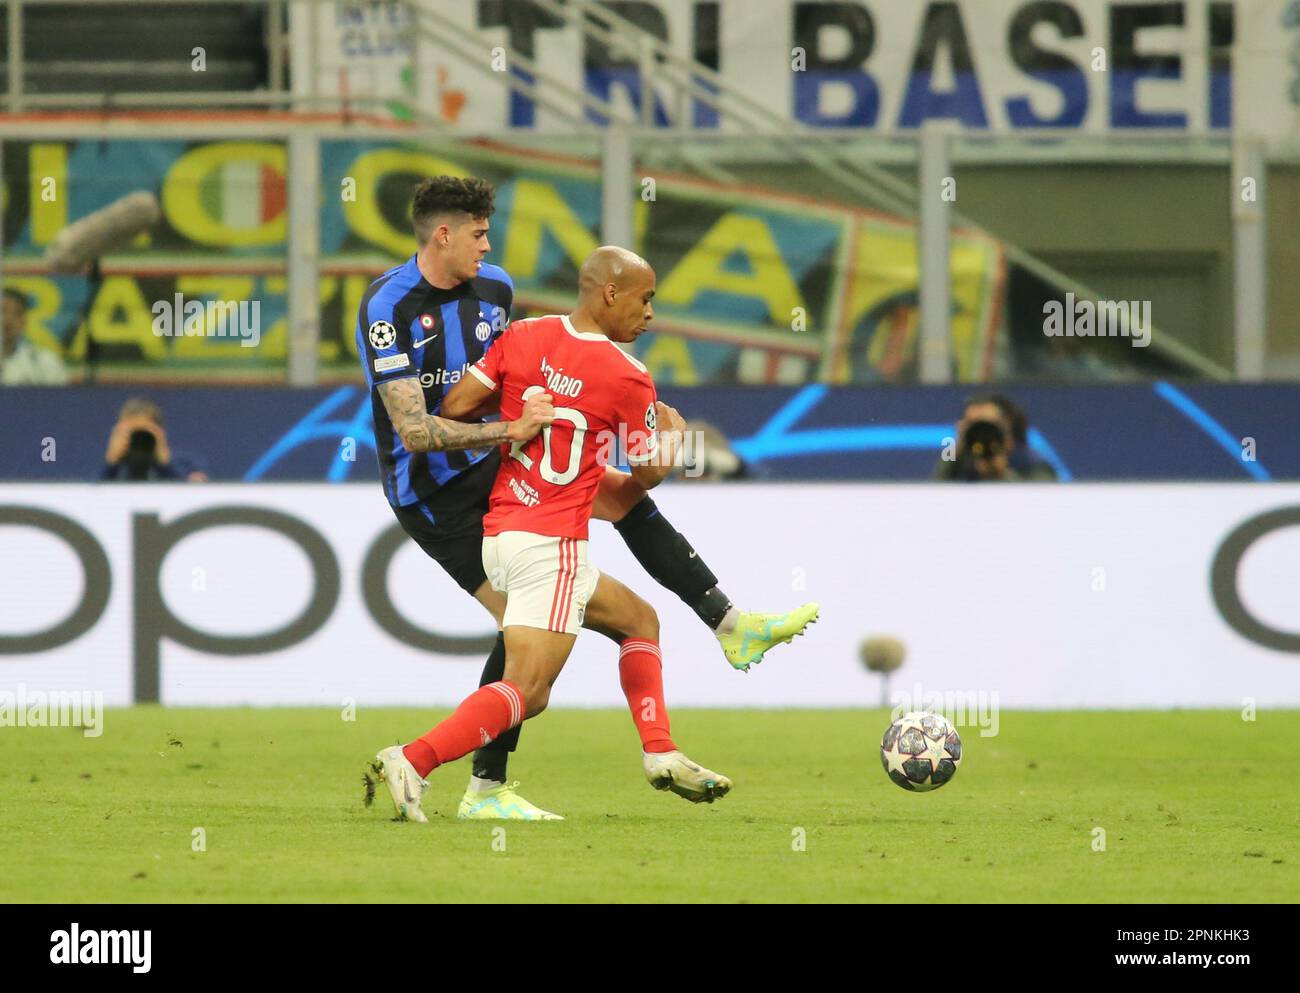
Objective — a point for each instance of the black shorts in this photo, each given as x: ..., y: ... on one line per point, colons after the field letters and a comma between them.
x: 449, y: 525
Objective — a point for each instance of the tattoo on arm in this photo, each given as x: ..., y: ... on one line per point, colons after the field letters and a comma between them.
x: 422, y: 432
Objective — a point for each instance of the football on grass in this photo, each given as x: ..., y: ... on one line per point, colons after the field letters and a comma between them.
x: 920, y: 751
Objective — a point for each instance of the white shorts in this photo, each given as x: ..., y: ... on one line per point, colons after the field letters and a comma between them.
x: 547, y: 581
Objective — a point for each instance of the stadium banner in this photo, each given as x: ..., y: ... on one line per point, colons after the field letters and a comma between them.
x: 1132, y: 431
x: 755, y: 286
x: 1105, y: 596
x: 991, y: 66
x: 1266, y: 96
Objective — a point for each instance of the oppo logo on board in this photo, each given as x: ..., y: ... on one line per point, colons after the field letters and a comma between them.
x: 153, y: 620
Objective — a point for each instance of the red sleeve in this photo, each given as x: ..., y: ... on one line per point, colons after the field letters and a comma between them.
x: 638, y: 413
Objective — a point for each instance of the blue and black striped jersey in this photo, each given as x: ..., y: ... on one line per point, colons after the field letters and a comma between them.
x: 408, y: 328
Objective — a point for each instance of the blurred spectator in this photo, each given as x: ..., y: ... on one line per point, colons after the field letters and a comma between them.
x: 21, y: 362
x: 993, y: 445
x: 707, y: 454
x: 138, y: 449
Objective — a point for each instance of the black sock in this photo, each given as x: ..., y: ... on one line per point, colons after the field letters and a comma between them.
x: 490, y: 760
x: 712, y: 607
x: 672, y: 562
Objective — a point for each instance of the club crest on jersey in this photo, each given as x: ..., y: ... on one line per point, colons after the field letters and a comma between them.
x: 482, y: 330
x: 558, y: 383
x: 382, y: 334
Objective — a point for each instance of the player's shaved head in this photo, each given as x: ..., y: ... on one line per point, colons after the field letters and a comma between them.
x: 611, y: 264
x: 615, y: 288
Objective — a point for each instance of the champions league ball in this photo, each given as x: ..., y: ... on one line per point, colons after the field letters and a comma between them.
x: 920, y: 751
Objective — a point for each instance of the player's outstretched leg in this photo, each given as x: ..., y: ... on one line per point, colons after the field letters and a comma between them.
x: 534, y: 658
x: 640, y: 671
x: 488, y: 796
x: 481, y: 716
x: 671, y: 561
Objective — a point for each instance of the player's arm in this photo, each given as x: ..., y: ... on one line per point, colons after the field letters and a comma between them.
x: 492, y: 405
x: 654, y: 464
x: 421, y: 431
x: 470, y: 398
x: 479, y: 391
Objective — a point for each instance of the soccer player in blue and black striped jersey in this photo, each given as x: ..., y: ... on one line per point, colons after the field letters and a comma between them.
x: 420, y: 326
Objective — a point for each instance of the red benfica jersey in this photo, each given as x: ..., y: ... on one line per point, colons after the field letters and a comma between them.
x: 604, y: 400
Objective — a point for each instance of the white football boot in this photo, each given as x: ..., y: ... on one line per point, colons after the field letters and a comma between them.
x: 674, y: 771
x: 405, y: 785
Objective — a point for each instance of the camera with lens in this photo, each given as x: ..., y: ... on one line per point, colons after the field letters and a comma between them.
x: 982, y: 442
x: 141, y: 455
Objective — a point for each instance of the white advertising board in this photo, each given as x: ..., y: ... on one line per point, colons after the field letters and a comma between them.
x: 1115, y: 596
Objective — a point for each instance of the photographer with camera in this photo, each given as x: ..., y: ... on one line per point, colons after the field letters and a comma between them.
x: 992, y: 445
x: 138, y: 449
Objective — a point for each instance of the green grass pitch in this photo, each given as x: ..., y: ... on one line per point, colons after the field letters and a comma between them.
x: 1196, y: 806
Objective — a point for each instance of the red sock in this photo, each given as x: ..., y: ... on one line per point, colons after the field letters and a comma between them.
x: 640, y: 670
x: 481, y: 717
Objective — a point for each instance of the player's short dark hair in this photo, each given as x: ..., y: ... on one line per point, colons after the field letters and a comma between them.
x: 17, y: 297
x: 1011, y: 410
x: 441, y: 195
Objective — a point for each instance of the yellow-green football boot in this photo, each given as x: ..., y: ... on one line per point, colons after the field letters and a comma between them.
x: 754, y: 634
x: 500, y: 803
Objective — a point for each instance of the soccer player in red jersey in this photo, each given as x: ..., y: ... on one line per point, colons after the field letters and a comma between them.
x: 420, y: 326
x: 535, y: 532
